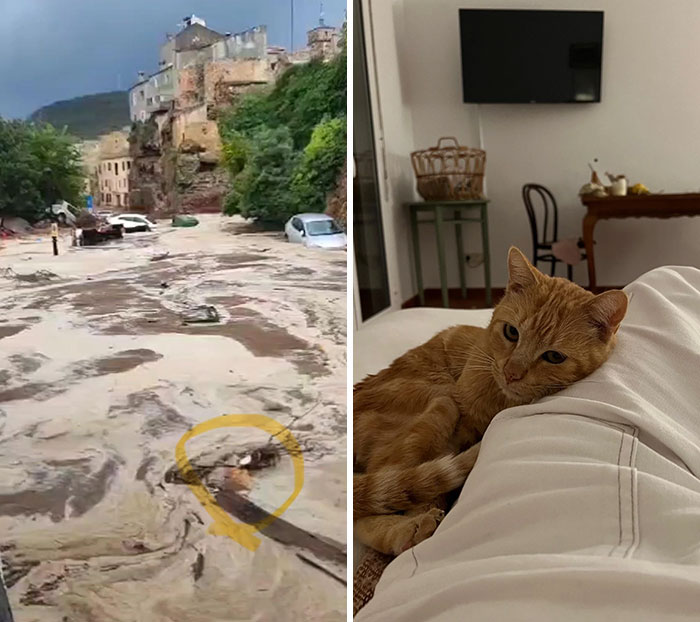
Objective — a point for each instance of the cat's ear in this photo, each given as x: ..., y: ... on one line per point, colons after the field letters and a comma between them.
x: 606, y: 311
x: 521, y: 273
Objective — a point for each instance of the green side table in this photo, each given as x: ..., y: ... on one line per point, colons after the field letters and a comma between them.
x: 451, y: 212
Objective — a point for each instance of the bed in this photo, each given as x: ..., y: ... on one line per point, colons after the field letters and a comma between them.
x: 583, y: 506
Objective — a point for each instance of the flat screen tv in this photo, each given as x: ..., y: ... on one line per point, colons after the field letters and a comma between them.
x: 531, y: 56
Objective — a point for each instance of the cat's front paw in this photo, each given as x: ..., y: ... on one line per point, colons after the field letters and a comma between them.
x: 423, y: 526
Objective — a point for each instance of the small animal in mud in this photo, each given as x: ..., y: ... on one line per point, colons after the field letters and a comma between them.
x: 418, y: 423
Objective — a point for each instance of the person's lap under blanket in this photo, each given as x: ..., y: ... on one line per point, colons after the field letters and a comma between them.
x: 583, y: 506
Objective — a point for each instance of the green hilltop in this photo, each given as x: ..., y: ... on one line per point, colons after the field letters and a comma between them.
x: 89, y: 116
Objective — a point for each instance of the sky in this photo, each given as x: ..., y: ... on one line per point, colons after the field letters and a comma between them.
x: 52, y: 50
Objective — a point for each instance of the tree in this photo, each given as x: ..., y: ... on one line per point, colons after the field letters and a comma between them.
x: 317, y: 173
x: 40, y: 166
x: 262, y: 190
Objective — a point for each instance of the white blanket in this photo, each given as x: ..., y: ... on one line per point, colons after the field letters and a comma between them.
x: 586, y: 505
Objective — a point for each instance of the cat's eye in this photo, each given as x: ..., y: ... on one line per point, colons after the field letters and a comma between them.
x: 510, y: 332
x: 554, y: 357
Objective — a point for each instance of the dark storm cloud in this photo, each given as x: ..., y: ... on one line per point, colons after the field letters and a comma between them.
x: 58, y: 49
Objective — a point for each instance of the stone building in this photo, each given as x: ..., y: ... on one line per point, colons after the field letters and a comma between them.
x: 113, y: 168
x: 199, y: 65
x: 175, y: 141
x: 323, y: 41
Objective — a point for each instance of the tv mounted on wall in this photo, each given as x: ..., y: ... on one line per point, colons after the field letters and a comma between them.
x: 531, y: 56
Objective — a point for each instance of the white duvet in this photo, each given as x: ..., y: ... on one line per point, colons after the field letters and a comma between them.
x: 582, y: 507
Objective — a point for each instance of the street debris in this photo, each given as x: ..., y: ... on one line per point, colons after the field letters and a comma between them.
x: 260, y: 458
x: 202, y: 314
x: 184, y: 221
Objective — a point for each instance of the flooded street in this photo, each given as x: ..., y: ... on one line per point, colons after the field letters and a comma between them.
x: 108, y: 355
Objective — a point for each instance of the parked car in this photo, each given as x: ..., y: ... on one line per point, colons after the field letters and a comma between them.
x: 315, y: 231
x: 133, y: 222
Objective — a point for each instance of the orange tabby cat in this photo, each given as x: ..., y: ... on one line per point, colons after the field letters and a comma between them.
x: 418, y: 423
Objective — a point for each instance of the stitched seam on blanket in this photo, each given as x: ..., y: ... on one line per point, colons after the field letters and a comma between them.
x: 633, y: 497
x: 619, y: 494
x: 625, y: 431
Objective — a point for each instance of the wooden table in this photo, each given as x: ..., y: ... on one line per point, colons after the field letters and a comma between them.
x: 437, y: 208
x: 632, y: 206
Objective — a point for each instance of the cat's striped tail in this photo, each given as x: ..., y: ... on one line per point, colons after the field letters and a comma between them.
x: 395, y: 488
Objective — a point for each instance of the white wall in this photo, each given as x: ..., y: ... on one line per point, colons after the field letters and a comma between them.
x: 647, y: 127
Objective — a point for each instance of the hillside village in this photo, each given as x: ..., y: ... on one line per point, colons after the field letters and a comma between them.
x: 167, y: 162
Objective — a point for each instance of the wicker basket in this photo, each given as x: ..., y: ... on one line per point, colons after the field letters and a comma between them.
x: 453, y: 173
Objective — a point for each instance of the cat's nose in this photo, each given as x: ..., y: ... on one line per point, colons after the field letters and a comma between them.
x: 513, y: 374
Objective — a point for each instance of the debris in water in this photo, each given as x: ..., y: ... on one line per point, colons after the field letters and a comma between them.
x: 240, y: 480
x: 260, y: 458
x: 201, y: 314
x: 198, y: 567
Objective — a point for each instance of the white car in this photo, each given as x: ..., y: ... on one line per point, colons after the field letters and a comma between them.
x: 315, y: 231
x: 133, y: 222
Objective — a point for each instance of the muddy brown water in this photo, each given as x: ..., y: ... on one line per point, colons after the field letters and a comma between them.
x: 8, y: 331
x: 117, y: 363
x: 73, y: 485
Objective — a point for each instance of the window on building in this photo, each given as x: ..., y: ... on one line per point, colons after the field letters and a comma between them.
x: 142, y: 93
x: 128, y: 165
x: 102, y: 197
x: 123, y: 165
x: 109, y: 199
x: 116, y: 167
x: 109, y: 166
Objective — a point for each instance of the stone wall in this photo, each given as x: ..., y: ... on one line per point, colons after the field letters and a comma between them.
x: 225, y: 79
x: 152, y: 176
x: 190, y: 87
x: 184, y: 118
x: 201, y: 137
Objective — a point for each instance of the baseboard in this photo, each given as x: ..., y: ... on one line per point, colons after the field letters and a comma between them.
x: 476, y: 297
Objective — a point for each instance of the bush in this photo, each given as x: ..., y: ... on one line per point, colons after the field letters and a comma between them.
x: 262, y: 190
x: 317, y: 173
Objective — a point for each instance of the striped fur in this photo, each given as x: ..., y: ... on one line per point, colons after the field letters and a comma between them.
x: 393, y: 489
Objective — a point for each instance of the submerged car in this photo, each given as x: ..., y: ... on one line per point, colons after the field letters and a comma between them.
x: 133, y: 222
x: 315, y: 231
